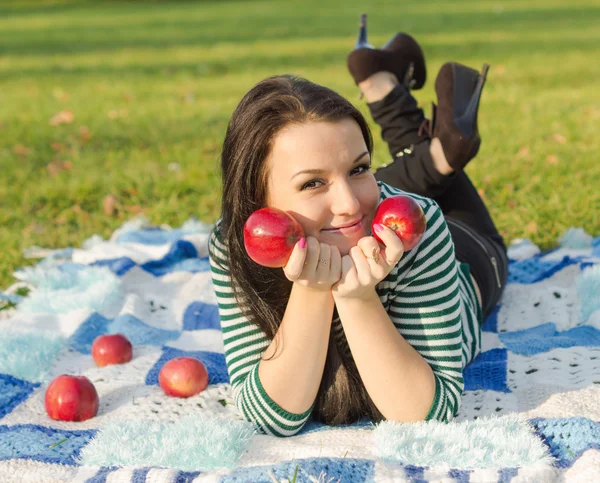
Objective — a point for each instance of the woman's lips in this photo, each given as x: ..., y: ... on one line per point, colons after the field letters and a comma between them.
x: 347, y: 230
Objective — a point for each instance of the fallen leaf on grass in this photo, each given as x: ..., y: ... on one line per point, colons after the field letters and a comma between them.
x: 110, y: 205
x: 132, y: 191
x: 21, y: 150
x: 531, y: 228
x: 34, y: 227
x: 500, y: 69
x: 57, y: 147
x: 84, y: 134
x: 523, y: 152
x: 558, y: 138
x: 117, y: 113
x: 188, y: 98
x: 133, y: 209
x: 481, y: 193
x: 62, y: 117
x: 511, y: 203
x: 81, y: 212
x: 552, y: 159
x: 56, y: 167
x: 591, y: 113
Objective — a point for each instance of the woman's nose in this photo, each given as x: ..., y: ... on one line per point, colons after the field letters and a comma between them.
x: 344, y: 200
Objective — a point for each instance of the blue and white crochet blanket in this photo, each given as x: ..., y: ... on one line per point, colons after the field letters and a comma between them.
x: 530, y: 411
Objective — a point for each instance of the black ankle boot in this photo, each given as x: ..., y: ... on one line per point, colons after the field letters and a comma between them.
x: 454, y: 120
x: 401, y: 55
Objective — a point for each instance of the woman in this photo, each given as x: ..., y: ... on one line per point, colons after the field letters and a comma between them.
x: 350, y: 328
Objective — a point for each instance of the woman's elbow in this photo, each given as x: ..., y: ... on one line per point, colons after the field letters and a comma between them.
x: 265, y: 428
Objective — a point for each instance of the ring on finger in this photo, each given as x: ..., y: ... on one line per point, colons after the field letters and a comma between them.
x: 375, y: 255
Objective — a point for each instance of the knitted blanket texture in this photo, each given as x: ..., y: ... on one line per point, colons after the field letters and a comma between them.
x: 530, y: 409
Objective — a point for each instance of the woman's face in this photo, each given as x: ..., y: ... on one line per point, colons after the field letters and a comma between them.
x: 336, y: 201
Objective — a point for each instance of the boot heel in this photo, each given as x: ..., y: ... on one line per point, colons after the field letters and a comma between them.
x: 454, y: 121
x: 467, y: 122
x: 401, y: 56
x: 361, y: 41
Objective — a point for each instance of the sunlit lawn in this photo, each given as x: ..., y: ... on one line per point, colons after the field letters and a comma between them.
x: 146, y: 90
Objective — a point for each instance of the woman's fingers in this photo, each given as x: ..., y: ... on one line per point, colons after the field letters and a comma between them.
x: 313, y: 250
x: 324, y: 260
x: 295, y: 265
x: 362, y: 264
x: 371, y: 250
x: 394, y: 249
x: 336, y: 263
x: 316, y: 264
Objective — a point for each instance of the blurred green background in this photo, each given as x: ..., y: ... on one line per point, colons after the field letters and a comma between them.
x: 111, y: 109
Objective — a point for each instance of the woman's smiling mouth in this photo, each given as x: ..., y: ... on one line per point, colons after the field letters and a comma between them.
x: 347, y: 229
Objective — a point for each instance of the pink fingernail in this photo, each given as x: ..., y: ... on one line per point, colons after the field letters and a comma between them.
x: 377, y: 227
x: 302, y: 242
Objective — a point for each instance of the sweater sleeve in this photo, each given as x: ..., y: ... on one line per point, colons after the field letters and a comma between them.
x: 426, y: 309
x: 244, y: 344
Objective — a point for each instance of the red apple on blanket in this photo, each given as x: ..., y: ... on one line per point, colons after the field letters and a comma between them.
x: 111, y: 349
x: 183, y: 377
x: 71, y: 398
x: 270, y: 235
x: 405, y: 216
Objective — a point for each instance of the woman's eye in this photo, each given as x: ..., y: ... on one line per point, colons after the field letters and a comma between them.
x: 358, y: 170
x: 309, y: 185
x: 362, y: 168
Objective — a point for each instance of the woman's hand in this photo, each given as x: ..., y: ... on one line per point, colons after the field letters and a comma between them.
x: 367, y: 264
x: 317, y: 265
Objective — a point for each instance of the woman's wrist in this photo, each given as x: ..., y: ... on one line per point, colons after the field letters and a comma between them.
x: 324, y: 292
x: 368, y: 296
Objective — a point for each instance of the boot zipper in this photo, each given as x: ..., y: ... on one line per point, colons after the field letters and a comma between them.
x: 493, y: 259
x: 496, y: 271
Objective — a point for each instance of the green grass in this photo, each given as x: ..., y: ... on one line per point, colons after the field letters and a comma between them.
x: 173, y: 72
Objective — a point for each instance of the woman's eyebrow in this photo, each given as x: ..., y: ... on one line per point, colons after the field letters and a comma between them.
x: 319, y: 171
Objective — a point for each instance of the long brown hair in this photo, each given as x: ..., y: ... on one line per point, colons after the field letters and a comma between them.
x: 262, y: 293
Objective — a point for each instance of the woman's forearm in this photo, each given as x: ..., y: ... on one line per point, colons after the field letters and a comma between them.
x: 292, y: 375
x: 400, y: 382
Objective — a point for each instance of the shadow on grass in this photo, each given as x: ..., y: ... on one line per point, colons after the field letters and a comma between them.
x: 192, y: 28
x: 37, y: 7
x: 488, y: 51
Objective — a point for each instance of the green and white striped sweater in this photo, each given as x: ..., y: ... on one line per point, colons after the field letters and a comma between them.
x: 429, y: 297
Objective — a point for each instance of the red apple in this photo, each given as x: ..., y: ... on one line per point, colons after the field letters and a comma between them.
x: 71, y: 398
x: 270, y: 235
x: 405, y: 216
x: 183, y: 377
x: 111, y: 349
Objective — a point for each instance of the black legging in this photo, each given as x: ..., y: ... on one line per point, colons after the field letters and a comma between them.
x: 476, y: 239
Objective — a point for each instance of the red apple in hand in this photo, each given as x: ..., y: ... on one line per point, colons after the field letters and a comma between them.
x: 270, y: 235
x: 71, y: 398
x: 111, y: 349
x: 405, y: 216
x: 183, y: 377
